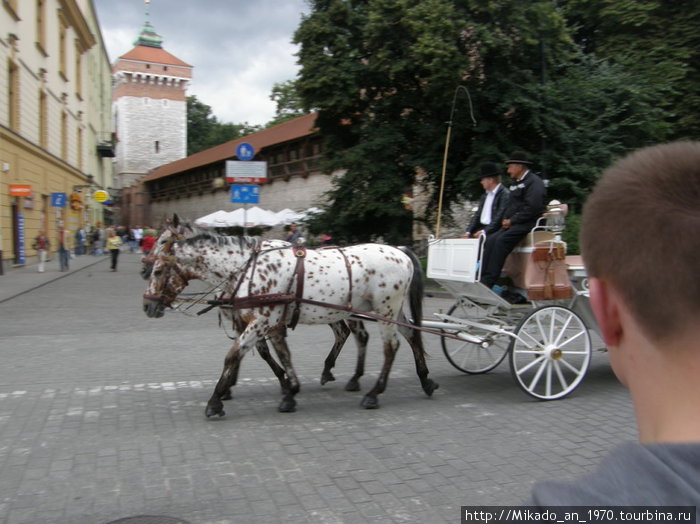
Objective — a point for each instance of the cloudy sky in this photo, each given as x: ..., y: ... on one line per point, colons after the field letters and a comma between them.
x: 239, y: 48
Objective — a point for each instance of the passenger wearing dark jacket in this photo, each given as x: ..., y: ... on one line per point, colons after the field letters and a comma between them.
x: 527, y: 203
x: 492, y: 205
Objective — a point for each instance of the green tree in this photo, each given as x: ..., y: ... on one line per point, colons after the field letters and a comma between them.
x: 382, y: 74
x: 289, y: 105
x: 656, y: 39
x: 204, y: 130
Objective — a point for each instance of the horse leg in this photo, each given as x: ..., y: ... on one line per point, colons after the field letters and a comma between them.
x: 279, y: 372
x: 341, y: 332
x: 414, y: 338
x: 391, y: 345
x: 361, y: 338
x: 250, y: 336
x: 288, y: 404
x: 222, y: 390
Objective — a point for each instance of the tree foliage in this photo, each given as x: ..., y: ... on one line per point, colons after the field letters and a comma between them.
x: 383, y: 75
x: 289, y: 105
x: 204, y: 130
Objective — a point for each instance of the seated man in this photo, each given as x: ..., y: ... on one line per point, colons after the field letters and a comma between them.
x: 492, y: 205
x: 527, y: 202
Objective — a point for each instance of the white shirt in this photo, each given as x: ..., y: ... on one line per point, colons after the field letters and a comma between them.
x: 488, y: 206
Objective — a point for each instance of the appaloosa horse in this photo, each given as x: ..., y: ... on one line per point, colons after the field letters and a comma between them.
x: 341, y: 329
x: 275, y: 287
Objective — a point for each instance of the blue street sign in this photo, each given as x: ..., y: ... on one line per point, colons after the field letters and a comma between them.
x: 58, y: 200
x: 245, y: 151
x: 245, y: 194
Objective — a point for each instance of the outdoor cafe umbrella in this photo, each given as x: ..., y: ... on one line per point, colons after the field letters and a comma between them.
x: 216, y: 219
x: 254, y: 216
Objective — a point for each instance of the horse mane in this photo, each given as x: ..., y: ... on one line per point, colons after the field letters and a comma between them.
x: 243, y: 242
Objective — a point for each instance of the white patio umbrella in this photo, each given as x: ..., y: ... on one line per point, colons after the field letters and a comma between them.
x: 254, y: 216
x: 216, y: 219
x: 288, y: 216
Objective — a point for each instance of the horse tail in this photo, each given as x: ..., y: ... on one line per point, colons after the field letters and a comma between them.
x: 415, y: 292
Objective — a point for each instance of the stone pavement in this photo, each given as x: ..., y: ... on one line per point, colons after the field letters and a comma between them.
x: 102, y: 418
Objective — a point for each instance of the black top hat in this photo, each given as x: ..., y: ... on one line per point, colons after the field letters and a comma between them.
x: 519, y: 157
x: 489, y: 169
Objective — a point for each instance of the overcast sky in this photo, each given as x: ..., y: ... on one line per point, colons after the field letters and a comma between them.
x: 239, y: 48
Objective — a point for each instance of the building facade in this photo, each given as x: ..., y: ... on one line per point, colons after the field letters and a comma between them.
x: 55, y: 122
x: 196, y: 185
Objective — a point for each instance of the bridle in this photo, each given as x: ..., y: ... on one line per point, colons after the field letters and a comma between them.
x: 168, y: 264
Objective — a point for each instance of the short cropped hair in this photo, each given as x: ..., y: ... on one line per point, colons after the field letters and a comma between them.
x: 641, y: 232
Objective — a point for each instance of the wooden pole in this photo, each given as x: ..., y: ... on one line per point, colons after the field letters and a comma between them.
x: 447, y: 147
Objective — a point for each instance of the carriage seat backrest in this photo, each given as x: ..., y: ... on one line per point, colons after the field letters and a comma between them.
x: 538, y: 263
x: 541, y: 270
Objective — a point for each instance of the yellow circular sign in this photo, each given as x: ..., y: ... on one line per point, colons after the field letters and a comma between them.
x: 100, y: 195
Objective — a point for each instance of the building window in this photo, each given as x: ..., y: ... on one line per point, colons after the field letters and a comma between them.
x: 64, y: 135
x: 62, y: 51
x: 157, y: 146
x: 13, y: 95
x: 43, y: 119
x: 79, y: 138
x: 41, y: 26
x: 78, y: 70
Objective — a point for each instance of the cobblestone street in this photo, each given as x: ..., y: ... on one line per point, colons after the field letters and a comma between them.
x: 102, y: 418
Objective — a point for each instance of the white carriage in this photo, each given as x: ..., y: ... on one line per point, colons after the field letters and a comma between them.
x: 547, y: 339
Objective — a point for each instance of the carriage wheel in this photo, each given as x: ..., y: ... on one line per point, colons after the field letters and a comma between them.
x: 473, y: 358
x: 551, y: 353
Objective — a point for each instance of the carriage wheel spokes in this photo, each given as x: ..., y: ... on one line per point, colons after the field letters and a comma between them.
x: 551, y: 352
x: 469, y: 357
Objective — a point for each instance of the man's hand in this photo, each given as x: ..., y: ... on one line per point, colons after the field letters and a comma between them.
x: 506, y: 223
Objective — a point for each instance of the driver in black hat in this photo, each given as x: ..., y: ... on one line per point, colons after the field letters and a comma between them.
x: 527, y: 203
x: 493, y: 203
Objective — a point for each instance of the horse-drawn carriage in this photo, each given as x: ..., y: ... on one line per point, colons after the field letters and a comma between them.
x: 266, y: 286
x: 546, y: 338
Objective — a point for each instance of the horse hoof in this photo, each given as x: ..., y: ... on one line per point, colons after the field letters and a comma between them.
x: 429, y: 387
x: 327, y: 377
x: 287, y: 406
x: 370, y: 402
x: 215, y: 411
x: 352, y: 385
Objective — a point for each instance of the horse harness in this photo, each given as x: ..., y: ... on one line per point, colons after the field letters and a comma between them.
x: 287, y: 298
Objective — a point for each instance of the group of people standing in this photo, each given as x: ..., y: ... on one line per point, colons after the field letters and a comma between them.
x: 96, y: 241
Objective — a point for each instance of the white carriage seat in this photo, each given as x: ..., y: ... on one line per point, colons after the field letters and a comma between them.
x: 538, y: 264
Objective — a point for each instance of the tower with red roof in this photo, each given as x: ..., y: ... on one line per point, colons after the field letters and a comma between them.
x: 149, y: 107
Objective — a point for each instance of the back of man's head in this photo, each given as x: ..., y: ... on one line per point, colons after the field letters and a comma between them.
x: 641, y: 233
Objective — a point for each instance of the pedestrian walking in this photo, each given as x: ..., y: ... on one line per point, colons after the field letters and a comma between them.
x: 41, y: 244
x: 63, y: 248
x: 113, y: 244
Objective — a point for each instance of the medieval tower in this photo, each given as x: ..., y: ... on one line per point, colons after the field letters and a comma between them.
x: 149, y: 107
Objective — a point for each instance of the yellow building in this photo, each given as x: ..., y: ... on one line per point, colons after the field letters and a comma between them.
x: 55, y: 122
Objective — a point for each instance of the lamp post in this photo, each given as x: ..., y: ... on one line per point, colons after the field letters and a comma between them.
x: 447, y: 147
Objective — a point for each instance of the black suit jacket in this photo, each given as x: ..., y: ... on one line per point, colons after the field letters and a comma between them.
x: 527, y: 200
x: 500, y: 204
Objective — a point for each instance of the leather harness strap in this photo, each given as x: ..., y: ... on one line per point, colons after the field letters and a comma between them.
x: 300, y: 254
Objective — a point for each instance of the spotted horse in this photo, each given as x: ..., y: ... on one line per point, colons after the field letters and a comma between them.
x: 370, y: 279
x: 341, y: 329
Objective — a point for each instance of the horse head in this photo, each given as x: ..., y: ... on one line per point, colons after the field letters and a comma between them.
x: 161, y: 268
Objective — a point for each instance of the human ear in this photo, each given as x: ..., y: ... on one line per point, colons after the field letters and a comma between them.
x: 606, y: 308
